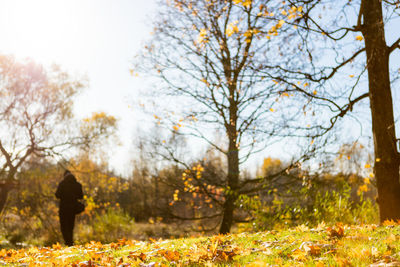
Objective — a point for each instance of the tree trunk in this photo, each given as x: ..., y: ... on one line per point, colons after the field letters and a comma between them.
x: 156, y: 197
x: 386, y: 156
x: 148, y: 212
x: 233, y: 165
x: 227, y: 219
x: 5, y: 188
x: 231, y: 195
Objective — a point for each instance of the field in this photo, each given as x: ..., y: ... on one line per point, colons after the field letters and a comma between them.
x: 340, y: 245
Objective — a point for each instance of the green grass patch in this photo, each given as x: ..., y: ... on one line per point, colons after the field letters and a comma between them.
x: 341, y: 245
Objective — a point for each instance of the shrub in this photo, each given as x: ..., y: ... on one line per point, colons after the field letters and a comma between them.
x: 107, y: 226
x: 309, y: 207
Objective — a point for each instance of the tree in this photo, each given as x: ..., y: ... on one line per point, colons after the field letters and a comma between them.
x: 36, y: 117
x: 207, y: 56
x: 340, y: 39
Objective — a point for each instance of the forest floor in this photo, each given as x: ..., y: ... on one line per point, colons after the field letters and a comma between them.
x: 340, y: 245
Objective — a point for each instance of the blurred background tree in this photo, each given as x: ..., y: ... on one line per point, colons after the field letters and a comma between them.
x: 36, y: 118
x: 208, y: 57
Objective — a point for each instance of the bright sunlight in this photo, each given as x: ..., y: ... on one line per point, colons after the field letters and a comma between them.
x: 45, y: 29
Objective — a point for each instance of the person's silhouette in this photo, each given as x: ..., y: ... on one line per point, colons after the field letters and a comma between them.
x: 69, y: 191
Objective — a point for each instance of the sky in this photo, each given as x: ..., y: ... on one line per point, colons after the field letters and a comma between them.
x: 93, y: 38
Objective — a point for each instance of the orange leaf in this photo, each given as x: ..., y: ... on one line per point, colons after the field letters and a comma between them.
x: 390, y: 223
x: 337, y: 231
x: 299, y: 255
x: 140, y: 256
x: 313, y: 250
x: 170, y: 255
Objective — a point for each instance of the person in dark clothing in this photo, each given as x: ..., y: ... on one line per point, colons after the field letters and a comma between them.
x: 69, y: 191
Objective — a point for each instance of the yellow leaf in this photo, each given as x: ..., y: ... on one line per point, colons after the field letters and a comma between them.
x: 351, y: 75
x: 298, y: 255
x: 302, y: 228
x: 362, y: 188
x: 231, y: 29
x: 391, y: 238
x: 367, y: 166
x: 57, y: 246
x: 321, y: 226
x: 248, y: 33
x: 205, y: 81
x: 359, y: 38
x: 314, y: 92
x: 271, y: 109
x: 258, y: 263
x: 202, y: 35
x: 247, y: 3
x: 285, y: 94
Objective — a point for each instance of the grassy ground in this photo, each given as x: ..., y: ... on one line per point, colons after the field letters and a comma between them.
x: 366, y: 245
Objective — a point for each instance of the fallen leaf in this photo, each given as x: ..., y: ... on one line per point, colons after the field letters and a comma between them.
x: 170, y: 255
x: 336, y: 232
x: 298, y: 255
x: 257, y: 263
x: 141, y: 256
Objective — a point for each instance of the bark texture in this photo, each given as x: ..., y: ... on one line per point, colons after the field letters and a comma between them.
x: 386, y: 155
x: 231, y: 195
x: 233, y: 161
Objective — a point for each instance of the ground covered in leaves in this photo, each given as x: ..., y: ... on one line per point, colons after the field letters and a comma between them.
x: 341, y: 245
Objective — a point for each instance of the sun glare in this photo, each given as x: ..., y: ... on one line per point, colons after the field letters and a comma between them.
x: 46, y: 30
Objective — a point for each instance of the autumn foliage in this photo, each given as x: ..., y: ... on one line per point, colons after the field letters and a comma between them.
x: 340, y: 245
